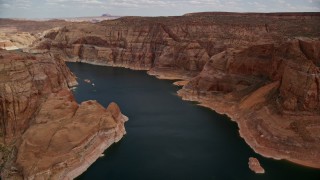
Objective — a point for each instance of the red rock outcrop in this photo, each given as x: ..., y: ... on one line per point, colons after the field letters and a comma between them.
x: 67, y: 138
x: 255, y: 166
x: 171, y: 46
x: 272, y: 91
x: 45, y: 134
x: 25, y: 80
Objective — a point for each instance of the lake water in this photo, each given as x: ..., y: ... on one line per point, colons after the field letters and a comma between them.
x: 167, y: 138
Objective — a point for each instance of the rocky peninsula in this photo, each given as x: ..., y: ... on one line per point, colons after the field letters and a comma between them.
x: 45, y: 134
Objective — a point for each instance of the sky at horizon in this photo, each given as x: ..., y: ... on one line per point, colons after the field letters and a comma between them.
x: 83, y: 8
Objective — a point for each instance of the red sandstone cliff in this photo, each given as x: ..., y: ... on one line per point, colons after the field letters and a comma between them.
x: 272, y: 91
x: 180, y: 44
x: 25, y: 81
x: 44, y: 132
x: 255, y: 67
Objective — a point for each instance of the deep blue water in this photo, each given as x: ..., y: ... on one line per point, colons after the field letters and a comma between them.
x: 167, y: 138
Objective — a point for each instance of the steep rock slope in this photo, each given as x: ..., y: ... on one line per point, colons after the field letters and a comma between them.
x: 67, y: 138
x: 44, y: 132
x: 25, y: 81
x: 171, y: 44
x: 272, y: 91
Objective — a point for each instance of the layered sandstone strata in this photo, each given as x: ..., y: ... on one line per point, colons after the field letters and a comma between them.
x: 272, y: 92
x: 12, y: 41
x: 260, y: 69
x: 67, y: 138
x: 170, y: 46
x: 25, y: 81
x: 45, y: 134
x: 20, y: 34
x: 7, y: 45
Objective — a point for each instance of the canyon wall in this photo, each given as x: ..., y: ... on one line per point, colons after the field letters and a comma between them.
x: 260, y: 69
x: 176, y: 43
x: 44, y: 133
x: 272, y: 91
x: 25, y: 81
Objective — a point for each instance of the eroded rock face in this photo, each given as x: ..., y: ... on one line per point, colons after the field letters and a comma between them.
x: 172, y: 44
x: 49, y: 135
x: 24, y: 83
x: 272, y: 91
x: 7, y: 45
x: 67, y: 138
x: 243, y: 71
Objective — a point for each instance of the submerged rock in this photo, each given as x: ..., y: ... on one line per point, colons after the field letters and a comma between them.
x: 87, y: 81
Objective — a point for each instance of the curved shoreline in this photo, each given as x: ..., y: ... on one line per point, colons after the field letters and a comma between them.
x: 243, y: 131
x: 93, y: 155
x: 245, y: 134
